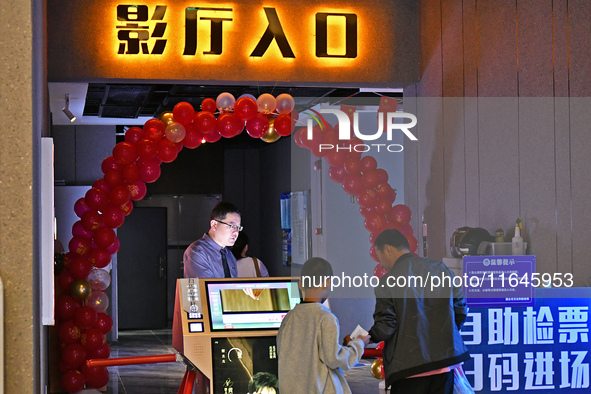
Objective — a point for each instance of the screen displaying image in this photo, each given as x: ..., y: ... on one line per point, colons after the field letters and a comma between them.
x: 250, y: 305
x: 237, y: 360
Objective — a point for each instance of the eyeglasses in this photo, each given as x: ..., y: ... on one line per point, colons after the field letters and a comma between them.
x: 232, y: 226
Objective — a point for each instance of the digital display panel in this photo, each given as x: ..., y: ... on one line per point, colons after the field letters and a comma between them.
x: 250, y: 305
x: 236, y: 360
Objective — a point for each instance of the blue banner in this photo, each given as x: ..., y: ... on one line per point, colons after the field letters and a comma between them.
x: 543, y: 347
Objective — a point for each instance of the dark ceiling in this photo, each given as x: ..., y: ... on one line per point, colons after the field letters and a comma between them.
x: 129, y: 101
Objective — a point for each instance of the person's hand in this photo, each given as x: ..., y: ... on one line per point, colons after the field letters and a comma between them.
x: 346, y: 340
x: 365, y: 339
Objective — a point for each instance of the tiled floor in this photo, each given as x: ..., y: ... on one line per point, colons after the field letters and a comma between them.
x: 166, y: 377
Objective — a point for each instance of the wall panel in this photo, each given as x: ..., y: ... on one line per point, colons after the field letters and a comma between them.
x: 497, y: 48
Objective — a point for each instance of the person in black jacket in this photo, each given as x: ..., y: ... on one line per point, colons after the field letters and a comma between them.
x: 418, y: 322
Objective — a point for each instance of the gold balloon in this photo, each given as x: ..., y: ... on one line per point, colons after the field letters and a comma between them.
x: 271, y: 135
x: 166, y: 118
x: 80, y: 289
x: 376, y: 368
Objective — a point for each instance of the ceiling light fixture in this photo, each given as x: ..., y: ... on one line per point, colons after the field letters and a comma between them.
x: 67, y: 111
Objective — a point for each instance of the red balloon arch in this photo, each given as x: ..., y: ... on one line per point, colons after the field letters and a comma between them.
x: 81, y: 304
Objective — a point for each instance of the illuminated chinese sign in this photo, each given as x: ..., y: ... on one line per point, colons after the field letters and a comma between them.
x: 542, y: 347
x: 133, y: 34
x: 347, y: 41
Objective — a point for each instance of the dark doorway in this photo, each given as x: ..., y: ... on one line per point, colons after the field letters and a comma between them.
x: 141, y: 270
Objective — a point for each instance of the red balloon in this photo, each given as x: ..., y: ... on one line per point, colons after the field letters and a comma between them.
x: 373, y: 254
x: 379, y: 271
x: 372, y: 238
x: 115, y: 247
x: 332, y: 138
x: 154, y: 130
x: 384, y: 190
x: 91, y: 220
x: 167, y: 151
x: 382, y: 175
x: 284, y: 125
x: 352, y: 184
x: 356, y: 145
x: 130, y: 172
x: 406, y: 230
x: 113, y: 217
x: 183, y: 113
x: 63, y: 367
x: 104, y: 351
x: 375, y: 223
x: 336, y: 158
x: 96, y: 377
x: 65, y: 280
x: 74, y: 354
x: 102, y: 184
x: 212, y: 136
x: 65, y: 307
x: 368, y: 163
x: 110, y: 164
x: 92, y: 338
x: 229, y: 125
x: 149, y: 170
x: 119, y: 195
x: 400, y: 214
x: 383, y: 207
x: 380, y: 345
x: 299, y: 136
x: 68, y: 332
x: 367, y: 211
x: 96, y: 198
x: 337, y: 174
x: 124, y: 153
x: 137, y: 190
x: 99, y: 257
x: 352, y: 166
x: 257, y: 126
x: 127, y: 207
x: 80, y: 267
x: 104, y: 323
x: 370, y: 179
x: 314, y: 143
x: 246, y: 108
x: 104, y: 237
x: 113, y: 177
x: 204, y: 122
x: 73, y: 381
x: 147, y: 149
x: 81, y: 207
x: 413, y: 243
x: 179, y: 146
x: 78, y: 229
x: 134, y: 134
x: 193, y: 138
x: 208, y: 105
x: 367, y: 198
x: 85, y: 317
x: 79, y: 245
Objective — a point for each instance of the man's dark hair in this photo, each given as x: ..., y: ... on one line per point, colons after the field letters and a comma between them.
x: 391, y: 237
x: 263, y: 380
x: 314, y: 271
x: 241, y: 242
x: 221, y: 209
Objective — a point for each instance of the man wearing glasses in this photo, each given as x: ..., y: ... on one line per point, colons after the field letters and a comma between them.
x: 209, y: 257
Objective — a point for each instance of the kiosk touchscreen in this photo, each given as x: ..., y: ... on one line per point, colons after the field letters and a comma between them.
x: 227, y: 327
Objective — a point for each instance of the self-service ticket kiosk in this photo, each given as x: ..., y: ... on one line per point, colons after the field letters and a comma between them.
x: 227, y: 328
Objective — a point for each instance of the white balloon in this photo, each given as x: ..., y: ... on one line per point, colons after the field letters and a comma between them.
x: 285, y: 103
